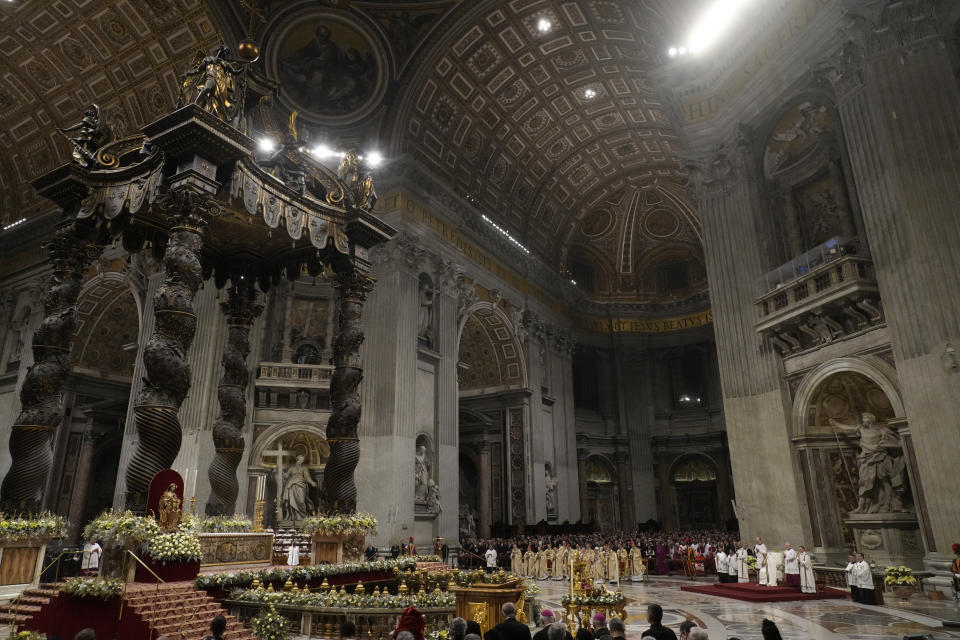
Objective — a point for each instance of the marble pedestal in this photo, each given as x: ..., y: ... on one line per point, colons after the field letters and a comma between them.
x: 888, y: 538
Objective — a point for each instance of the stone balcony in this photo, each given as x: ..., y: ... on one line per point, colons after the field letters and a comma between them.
x: 832, y: 293
x: 282, y: 385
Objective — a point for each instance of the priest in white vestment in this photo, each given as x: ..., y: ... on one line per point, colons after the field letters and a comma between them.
x: 743, y: 570
x: 731, y: 565
x: 721, y: 561
x: 760, y: 551
x: 807, y: 582
x: 864, y: 576
x: 852, y: 578
x: 791, y: 568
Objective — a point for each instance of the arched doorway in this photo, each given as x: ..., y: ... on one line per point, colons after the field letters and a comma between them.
x: 273, y: 462
x: 87, y: 450
x: 493, y: 428
x: 602, y: 494
x: 694, y: 481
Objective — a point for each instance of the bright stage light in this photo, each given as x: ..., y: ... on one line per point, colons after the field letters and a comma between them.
x: 590, y: 93
x: 714, y: 23
x: 543, y: 25
x: 266, y: 145
x: 672, y: 52
x: 374, y: 159
x: 322, y: 151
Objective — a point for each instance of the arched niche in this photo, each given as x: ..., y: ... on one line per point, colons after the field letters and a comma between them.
x: 840, y: 390
x: 282, y: 444
x: 810, y: 415
x: 808, y: 188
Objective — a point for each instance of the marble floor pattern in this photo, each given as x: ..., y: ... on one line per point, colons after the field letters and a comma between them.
x: 725, y: 618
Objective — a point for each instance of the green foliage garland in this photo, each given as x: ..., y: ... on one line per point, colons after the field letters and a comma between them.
x: 105, y: 589
x: 270, y: 625
x: 28, y: 527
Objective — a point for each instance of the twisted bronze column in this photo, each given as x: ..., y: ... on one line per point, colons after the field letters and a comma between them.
x: 339, y: 489
x: 70, y: 252
x: 167, y: 378
x: 241, y: 309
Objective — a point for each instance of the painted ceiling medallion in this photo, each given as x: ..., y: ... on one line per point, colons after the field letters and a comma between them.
x: 329, y: 65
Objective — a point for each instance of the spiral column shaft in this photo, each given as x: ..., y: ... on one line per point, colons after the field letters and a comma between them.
x: 340, y: 490
x: 70, y: 253
x: 167, y: 378
x: 240, y: 309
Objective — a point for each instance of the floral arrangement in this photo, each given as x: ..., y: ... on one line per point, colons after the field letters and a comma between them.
x: 438, y: 634
x: 343, y: 600
x: 103, y: 588
x: 28, y: 635
x: 174, y: 547
x: 216, y: 524
x: 899, y: 577
x: 341, y: 524
x: 751, y: 562
x: 122, y: 529
x: 307, y: 573
x: 270, y: 625
x: 596, y: 598
x: 27, y: 527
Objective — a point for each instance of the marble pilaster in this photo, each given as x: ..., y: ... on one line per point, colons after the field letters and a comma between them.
x: 898, y: 100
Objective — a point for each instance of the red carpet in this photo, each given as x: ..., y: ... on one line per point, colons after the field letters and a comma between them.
x: 752, y: 592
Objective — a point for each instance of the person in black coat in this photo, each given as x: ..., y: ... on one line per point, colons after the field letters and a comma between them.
x: 509, y: 629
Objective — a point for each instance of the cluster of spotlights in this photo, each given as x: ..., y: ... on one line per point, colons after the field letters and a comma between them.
x: 13, y: 224
x: 716, y: 20
x: 321, y: 152
x: 590, y: 93
x: 673, y: 52
x: 544, y: 25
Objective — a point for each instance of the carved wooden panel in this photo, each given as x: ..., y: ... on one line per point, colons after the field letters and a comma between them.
x: 18, y: 564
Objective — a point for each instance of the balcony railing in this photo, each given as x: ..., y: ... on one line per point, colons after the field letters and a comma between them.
x: 834, y: 297
x: 281, y: 385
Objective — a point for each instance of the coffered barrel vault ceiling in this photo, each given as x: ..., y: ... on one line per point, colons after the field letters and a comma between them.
x: 58, y: 56
x: 501, y: 109
x: 474, y: 91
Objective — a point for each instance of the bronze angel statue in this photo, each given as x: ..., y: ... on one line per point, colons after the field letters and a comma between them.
x: 216, y: 83
x: 87, y: 137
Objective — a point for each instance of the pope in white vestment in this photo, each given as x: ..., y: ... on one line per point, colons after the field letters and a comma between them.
x: 760, y: 550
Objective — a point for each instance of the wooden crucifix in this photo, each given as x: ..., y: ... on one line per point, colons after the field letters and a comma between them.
x: 279, y: 452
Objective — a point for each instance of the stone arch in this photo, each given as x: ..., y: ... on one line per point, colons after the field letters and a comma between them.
x: 109, y: 314
x: 875, y: 369
x: 269, y: 436
x: 487, y: 343
x: 680, y: 463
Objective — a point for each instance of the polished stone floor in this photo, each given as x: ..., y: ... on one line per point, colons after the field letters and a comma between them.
x: 725, y: 618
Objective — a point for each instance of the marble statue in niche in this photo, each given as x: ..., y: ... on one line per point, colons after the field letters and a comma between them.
x: 550, y: 481
x: 882, y: 477
x: 297, y: 504
x: 421, y: 475
x: 468, y: 524
x: 433, y: 497
x: 427, y: 295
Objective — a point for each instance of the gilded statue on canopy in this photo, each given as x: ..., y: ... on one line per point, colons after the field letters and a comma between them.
x: 216, y: 83
x: 360, y: 184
